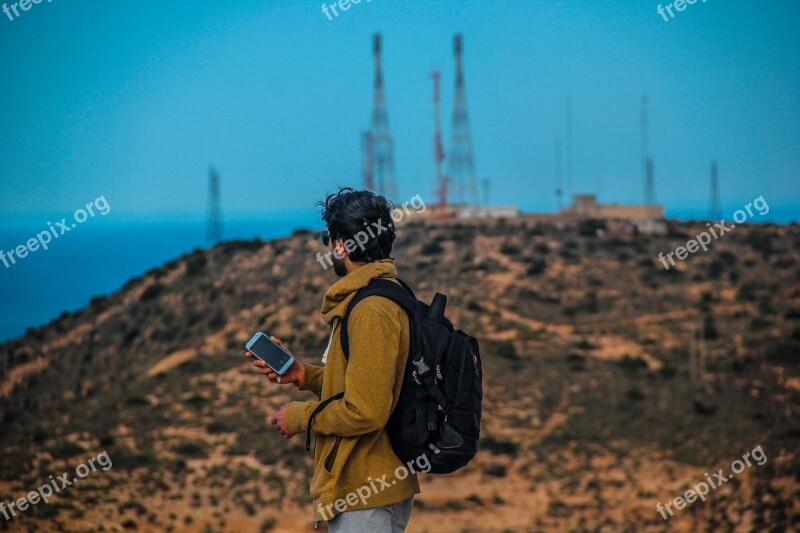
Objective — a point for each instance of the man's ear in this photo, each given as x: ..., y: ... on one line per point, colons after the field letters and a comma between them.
x: 339, y: 250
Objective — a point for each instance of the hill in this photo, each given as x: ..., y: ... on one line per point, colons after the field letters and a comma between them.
x: 592, y: 415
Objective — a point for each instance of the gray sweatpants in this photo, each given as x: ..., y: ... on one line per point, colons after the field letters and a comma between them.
x: 387, y: 519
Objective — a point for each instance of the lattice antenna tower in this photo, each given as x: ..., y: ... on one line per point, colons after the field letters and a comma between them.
x: 382, y: 145
x: 461, y: 165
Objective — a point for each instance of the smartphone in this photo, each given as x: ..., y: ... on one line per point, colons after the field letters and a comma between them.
x: 276, y: 357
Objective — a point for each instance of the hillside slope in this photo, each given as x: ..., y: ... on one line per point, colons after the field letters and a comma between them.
x: 591, y: 417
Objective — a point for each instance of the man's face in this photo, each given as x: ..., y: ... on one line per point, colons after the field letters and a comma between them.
x: 338, y: 266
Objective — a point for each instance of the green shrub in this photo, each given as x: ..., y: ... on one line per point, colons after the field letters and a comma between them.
x: 495, y: 470
x: 431, y: 248
x: 499, y: 446
x: 66, y: 450
x: 509, y: 249
x: 192, y: 449
x: 152, y: 292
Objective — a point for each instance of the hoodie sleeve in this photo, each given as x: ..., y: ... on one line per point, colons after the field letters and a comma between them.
x: 312, y: 378
x: 374, y: 332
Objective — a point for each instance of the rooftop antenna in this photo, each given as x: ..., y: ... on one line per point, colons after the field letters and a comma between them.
x: 715, y: 204
x: 559, y: 177
x: 569, y: 146
x: 648, y: 175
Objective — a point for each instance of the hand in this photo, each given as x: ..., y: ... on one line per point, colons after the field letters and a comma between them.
x: 293, y: 375
x: 279, y: 421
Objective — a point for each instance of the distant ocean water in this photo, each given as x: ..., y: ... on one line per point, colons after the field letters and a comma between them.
x: 101, y: 255
x: 98, y: 258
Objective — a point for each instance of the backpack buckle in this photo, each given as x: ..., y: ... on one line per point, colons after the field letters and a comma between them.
x: 422, y: 368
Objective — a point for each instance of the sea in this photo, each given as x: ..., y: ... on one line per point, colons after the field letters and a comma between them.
x: 99, y: 256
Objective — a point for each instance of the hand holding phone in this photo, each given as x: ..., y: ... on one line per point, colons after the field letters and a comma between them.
x: 293, y: 371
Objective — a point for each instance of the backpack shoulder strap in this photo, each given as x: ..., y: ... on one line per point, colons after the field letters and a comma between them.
x: 401, y: 294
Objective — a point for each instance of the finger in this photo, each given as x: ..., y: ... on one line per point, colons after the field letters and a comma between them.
x: 277, y: 341
x: 272, y: 374
x: 249, y: 355
x: 259, y: 363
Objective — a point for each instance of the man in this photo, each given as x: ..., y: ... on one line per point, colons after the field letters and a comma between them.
x: 355, y: 486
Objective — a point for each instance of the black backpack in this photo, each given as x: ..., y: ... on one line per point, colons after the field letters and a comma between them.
x: 439, y: 411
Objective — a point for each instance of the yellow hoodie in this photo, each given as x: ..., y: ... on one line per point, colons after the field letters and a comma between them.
x: 353, y: 449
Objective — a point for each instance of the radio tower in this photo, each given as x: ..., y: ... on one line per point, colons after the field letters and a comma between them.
x: 382, y: 146
x: 714, y: 203
x: 438, y: 150
x: 461, y: 167
x: 213, y: 217
x: 647, y: 162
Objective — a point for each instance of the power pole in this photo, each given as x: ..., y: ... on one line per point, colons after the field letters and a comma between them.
x: 697, y: 358
x: 461, y: 166
x: 213, y: 217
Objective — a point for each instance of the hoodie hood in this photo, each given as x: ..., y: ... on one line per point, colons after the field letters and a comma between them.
x: 338, y: 297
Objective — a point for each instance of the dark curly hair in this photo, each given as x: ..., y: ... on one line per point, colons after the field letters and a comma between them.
x: 348, y: 212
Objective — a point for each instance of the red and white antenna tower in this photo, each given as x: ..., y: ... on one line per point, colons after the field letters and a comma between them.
x: 438, y: 148
x: 367, y: 160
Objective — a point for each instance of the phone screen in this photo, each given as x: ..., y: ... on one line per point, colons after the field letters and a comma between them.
x: 270, y: 353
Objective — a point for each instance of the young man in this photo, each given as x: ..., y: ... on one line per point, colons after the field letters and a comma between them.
x: 359, y: 484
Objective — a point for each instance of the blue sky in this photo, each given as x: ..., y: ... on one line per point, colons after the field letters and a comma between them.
x: 133, y: 101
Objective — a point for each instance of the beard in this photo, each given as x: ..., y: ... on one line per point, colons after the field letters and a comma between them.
x: 338, y: 266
